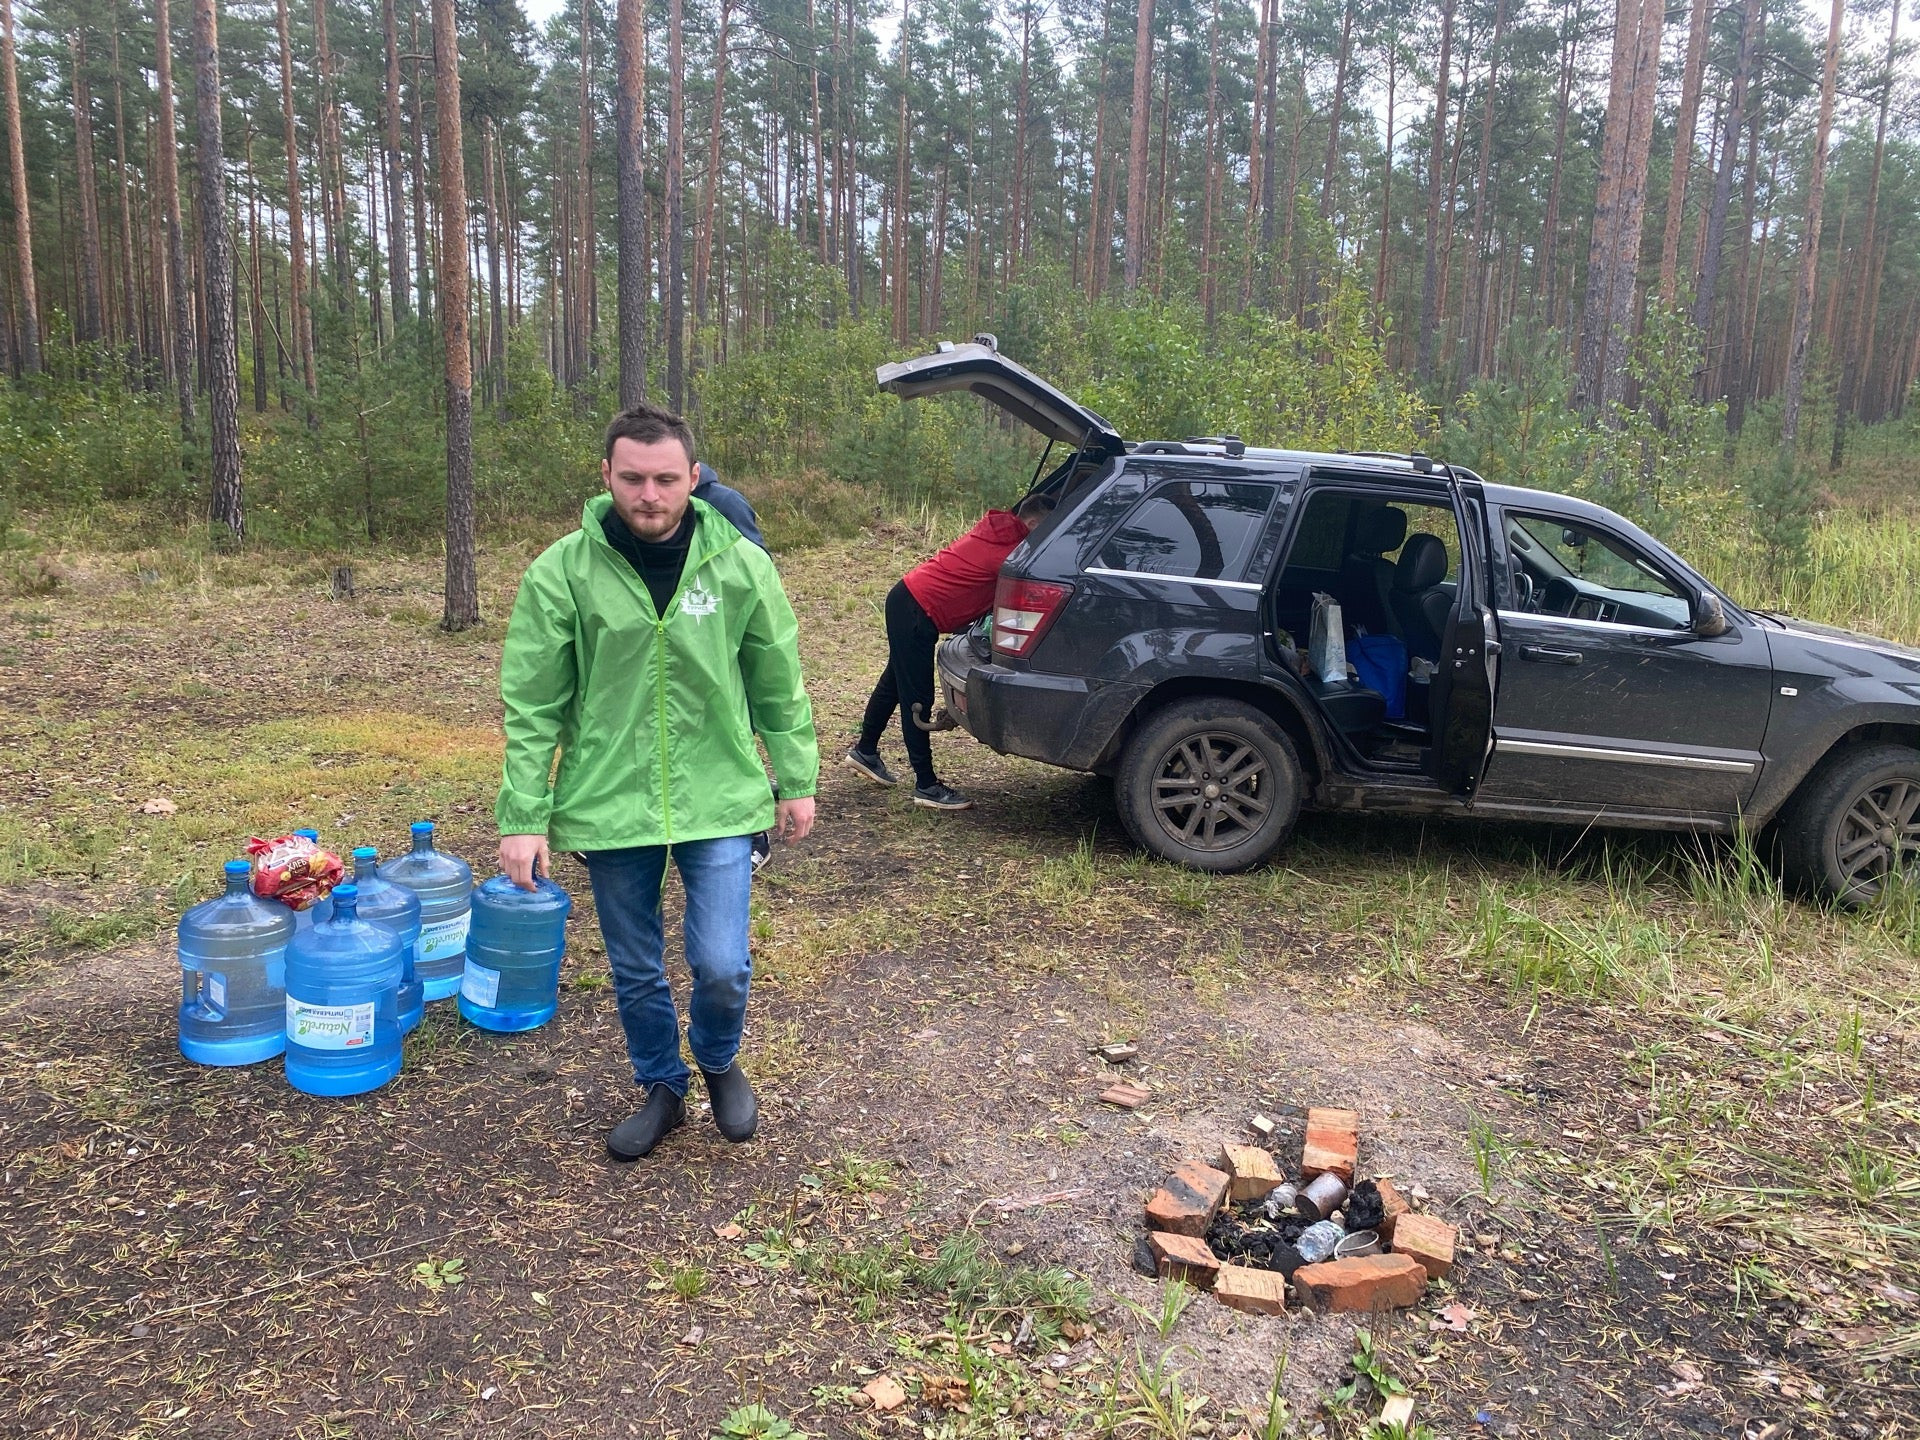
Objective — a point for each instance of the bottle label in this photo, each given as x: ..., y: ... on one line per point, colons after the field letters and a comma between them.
x: 217, y: 990
x: 329, y: 1027
x: 480, y: 985
x: 443, y: 938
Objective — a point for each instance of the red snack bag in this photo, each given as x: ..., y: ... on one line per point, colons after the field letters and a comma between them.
x: 293, y: 870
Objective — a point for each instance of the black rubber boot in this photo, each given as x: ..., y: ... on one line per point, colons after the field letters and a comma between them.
x: 636, y: 1135
x: 735, y: 1111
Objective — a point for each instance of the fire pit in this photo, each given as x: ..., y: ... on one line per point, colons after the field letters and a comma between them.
x: 1240, y: 1228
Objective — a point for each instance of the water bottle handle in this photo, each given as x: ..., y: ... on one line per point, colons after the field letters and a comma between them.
x: 198, y: 992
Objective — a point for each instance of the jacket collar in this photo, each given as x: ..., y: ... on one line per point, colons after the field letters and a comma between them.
x: 710, y: 537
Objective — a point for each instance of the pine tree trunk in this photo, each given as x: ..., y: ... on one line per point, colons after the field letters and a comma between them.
x: 216, y: 261
x: 1613, y: 257
x: 398, y: 280
x: 1866, y: 296
x: 22, y: 210
x: 1683, y: 128
x: 900, y: 188
x: 1136, y: 256
x: 1716, y: 226
x: 1430, y: 279
x: 819, y: 147
x: 676, y: 291
x: 1550, y: 228
x: 630, y: 119
x: 296, y: 235
x: 256, y: 307
x: 1209, y: 168
x: 462, y: 582
x: 128, y: 270
x: 1100, y: 206
x: 1810, y: 245
x: 1477, y: 290
x: 417, y: 158
x: 1622, y: 289
x: 91, y: 321
x: 496, y: 311
x: 1017, y: 208
x: 1386, y: 177
x: 581, y: 330
x: 1337, y: 109
x: 703, y: 243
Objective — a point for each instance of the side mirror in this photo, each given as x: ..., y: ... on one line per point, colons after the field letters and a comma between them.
x: 1709, y: 616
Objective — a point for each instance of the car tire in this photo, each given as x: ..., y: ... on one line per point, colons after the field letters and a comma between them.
x: 1238, y: 808
x: 1835, y: 832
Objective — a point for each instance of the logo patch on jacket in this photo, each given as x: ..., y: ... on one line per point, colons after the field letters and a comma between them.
x: 699, y: 601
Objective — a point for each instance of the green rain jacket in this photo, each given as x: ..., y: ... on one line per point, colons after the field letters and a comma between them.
x: 654, y: 716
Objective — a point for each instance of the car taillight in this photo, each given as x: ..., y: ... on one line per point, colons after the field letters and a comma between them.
x: 1023, y: 610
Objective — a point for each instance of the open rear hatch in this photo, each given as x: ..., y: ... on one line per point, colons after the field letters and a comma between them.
x: 980, y: 368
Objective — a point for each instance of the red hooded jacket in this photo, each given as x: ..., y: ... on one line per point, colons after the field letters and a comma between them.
x: 955, y: 587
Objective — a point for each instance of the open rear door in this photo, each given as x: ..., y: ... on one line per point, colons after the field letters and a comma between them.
x: 1469, y: 673
x: 984, y: 371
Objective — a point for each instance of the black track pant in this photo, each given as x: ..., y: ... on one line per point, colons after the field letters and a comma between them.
x: 907, y: 681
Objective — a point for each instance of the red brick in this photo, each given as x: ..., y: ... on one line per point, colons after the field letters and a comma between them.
x: 1393, y: 1205
x: 1126, y: 1095
x: 1427, y: 1240
x: 1367, y: 1283
x: 1260, y: 1292
x: 1183, y: 1257
x: 1185, y: 1204
x: 1253, y: 1175
x: 1333, y: 1144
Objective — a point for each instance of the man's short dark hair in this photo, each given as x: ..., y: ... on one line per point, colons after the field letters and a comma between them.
x: 649, y: 424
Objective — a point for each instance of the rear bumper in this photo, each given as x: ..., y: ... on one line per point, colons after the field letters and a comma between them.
x: 1056, y: 719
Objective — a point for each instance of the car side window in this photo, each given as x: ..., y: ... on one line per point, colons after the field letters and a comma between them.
x: 1563, y: 567
x: 1203, y: 530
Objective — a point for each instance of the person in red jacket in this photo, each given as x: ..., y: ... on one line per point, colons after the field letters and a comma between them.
x: 941, y: 595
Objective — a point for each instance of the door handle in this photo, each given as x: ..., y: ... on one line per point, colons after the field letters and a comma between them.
x: 1549, y: 657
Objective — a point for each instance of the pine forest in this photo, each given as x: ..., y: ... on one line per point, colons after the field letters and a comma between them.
x: 380, y: 268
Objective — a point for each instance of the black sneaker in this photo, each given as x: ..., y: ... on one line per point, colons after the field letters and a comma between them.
x: 735, y: 1110
x: 636, y: 1135
x: 869, y: 764
x: 941, y: 797
x: 762, y: 849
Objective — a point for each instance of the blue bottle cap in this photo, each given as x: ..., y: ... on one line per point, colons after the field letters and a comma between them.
x: 348, y: 892
x: 423, y: 827
x: 308, y: 834
x: 365, y: 852
x: 239, y: 867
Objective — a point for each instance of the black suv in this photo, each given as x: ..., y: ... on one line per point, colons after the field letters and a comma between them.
x: 1513, y: 653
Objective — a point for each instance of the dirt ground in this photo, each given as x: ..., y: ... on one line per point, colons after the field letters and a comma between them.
x: 936, y: 1191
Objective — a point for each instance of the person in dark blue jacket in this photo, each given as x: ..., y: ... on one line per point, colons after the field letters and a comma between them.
x: 730, y: 503
x: 739, y: 512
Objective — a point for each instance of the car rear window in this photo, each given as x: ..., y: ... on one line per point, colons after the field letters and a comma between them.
x: 1201, y: 529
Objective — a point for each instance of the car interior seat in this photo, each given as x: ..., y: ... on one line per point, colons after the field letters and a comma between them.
x: 1366, y: 576
x: 1421, y: 598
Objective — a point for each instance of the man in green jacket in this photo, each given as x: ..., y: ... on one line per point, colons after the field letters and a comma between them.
x: 649, y: 647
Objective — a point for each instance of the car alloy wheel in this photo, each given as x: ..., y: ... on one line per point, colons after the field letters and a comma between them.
x: 1879, y: 835
x: 1212, y: 791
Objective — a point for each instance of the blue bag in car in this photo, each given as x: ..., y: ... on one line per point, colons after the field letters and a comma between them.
x: 1381, y: 663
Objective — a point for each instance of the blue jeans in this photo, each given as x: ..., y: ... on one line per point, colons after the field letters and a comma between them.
x: 717, y: 874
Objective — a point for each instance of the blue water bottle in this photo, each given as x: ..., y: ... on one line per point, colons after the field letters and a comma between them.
x: 444, y: 884
x: 512, y: 976
x: 384, y: 903
x: 233, y: 952
x: 343, y: 1002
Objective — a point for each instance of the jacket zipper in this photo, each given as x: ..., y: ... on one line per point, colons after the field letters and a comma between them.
x: 660, y: 671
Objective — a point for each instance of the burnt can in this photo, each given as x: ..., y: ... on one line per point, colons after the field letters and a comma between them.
x: 1321, y: 1197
